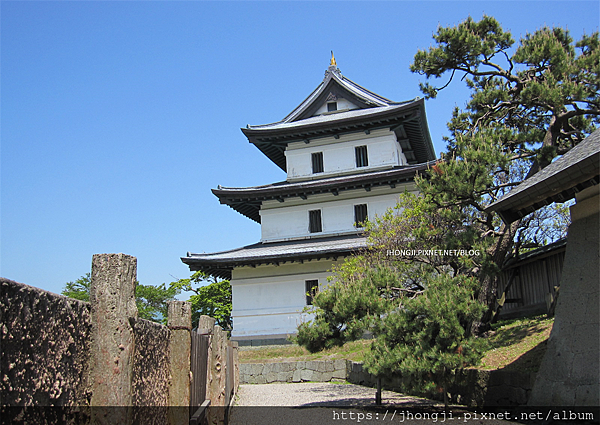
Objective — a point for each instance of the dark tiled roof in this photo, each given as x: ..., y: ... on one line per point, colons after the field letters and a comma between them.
x: 558, y: 182
x: 374, y: 112
x: 247, y: 200
x: 220, y: 264
x: 332, y: 118
x: 333, y: 77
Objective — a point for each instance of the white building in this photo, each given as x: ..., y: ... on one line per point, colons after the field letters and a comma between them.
x: 348, y: 154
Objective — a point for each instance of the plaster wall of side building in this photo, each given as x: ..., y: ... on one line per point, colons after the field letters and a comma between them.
x: 290, y: 219
x: 269, y: 299
x: 383, y: 150
x: 569, y: 374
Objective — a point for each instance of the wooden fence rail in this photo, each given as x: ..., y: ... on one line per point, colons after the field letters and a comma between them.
x: 214, y: 374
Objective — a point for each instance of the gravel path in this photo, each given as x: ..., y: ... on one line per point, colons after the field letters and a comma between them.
x: 318, y: 394
x: 336, y: 404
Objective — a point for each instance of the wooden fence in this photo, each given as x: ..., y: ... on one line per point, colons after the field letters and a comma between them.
x: 529, y: 286
x: 214, y: 374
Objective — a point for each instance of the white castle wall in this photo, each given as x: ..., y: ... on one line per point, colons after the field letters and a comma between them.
x: 339, y: 154
x: 288, y: 220
x: 268, y: 300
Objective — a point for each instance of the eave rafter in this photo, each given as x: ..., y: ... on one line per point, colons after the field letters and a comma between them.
x: 249, y: 203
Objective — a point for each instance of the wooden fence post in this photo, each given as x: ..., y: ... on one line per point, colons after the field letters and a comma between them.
x: 112, y: 299
x: 180, y: 324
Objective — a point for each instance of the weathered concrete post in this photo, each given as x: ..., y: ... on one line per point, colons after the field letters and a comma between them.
x: 180, y: 324
x: 217, y: 374
x: 112, y: 299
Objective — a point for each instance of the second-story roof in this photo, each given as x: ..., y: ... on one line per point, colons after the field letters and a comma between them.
x: 247, y: 200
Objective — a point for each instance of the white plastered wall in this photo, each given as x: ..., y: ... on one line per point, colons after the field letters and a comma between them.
x: 383, y: 151
x: 342, y: 104
x: 289, y: 220
x: 268, y: 300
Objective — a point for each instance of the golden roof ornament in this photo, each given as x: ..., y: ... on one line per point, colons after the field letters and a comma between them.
x: 332, y: 69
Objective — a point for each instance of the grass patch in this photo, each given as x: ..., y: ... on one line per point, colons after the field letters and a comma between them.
x: 354, y: 351
x: 517, y: 345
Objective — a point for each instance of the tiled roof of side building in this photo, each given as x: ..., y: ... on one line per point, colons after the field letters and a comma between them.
x: 220, y: 264
x: 558, y: 182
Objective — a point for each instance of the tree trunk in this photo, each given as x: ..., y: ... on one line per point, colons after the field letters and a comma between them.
x: 489, y: 284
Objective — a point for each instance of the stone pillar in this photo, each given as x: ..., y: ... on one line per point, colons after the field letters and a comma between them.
x: 217, y: 374
x: 206, y: 322
x: 180, y: 324
x: 112, y: 299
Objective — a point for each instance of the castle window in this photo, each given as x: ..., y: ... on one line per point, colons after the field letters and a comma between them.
x: 314, y: 221
x: 360, y: 215
x: 361, y: 156
x: 317, y: 162
x: 311, y: 287
x: 331, y: 106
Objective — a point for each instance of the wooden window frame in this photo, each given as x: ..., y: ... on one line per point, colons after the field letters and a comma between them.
x: 310, y: 289
x: 315, y: 221
x: 362, y: 156
x: 317, y: 162
x: 361, y: 214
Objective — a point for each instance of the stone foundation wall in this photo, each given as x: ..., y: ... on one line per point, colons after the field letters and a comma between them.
x: 473, y: 387
x: 492, y: 388
x: 301, y: 371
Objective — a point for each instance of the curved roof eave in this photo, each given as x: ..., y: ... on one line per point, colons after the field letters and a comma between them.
x: 220, y: 264
x: 272, y: 140
x: 247, y: 200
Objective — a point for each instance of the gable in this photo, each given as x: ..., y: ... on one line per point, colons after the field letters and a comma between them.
x: 332, y: 92
x: 336, y: 86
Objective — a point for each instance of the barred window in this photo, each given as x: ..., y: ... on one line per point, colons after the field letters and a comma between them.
x: 314, y: 221
x: 360, y: 215
x: 311, y: 287
x: 332, y: 106
x: 317, y: 162
x: 362, y: 159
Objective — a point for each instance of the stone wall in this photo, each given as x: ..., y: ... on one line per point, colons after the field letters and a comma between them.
x: 569, y: 374
x: 91, y: 358
x: 473, y: 387
x: 492, y: 387
x: 98, y: 361
x: 45, y: 347
x: 151, y: 375
x: 301, y: 371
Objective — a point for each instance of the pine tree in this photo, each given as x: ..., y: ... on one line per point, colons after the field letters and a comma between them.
x: 528, y: 104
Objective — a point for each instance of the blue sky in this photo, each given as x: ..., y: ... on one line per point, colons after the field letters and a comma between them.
x: 119, y: 117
